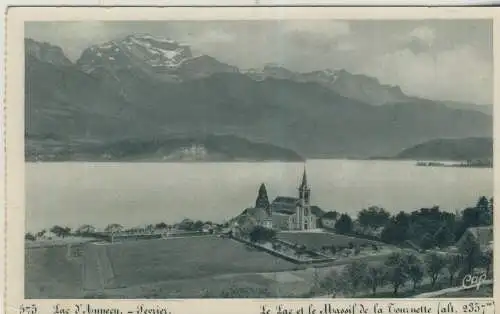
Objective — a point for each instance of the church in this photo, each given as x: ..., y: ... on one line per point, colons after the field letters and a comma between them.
x: 285, y: 212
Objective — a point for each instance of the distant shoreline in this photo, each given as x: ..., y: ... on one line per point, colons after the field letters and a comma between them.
x: 164, y: 161
x: 388, y: 159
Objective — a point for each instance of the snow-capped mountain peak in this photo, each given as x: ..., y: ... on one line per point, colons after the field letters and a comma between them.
x: 136, y: 49
x: 162, y: 58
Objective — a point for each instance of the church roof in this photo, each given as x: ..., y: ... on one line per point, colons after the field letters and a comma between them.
x: 285, y: 204
x: 260, y: 214
x: 331, y: 215
x: 317, y: 211
x: 484, y: 235
x: 286, y: 199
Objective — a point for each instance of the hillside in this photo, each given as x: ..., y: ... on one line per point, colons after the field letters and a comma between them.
x: 145, y: 88
x: 450, y: 149
x: 202, y: 148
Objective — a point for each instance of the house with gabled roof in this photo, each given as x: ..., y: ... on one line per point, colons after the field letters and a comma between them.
x: 483, y: 235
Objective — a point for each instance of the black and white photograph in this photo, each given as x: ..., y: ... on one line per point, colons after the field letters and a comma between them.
x: 249, y: 159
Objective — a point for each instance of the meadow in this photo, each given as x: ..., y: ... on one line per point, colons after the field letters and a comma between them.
x: 141, y: 262
x: 49, y: 273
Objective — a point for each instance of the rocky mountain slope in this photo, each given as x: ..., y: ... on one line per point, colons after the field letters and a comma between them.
x: 143, y: 88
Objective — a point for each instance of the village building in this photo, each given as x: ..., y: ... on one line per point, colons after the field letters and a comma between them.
x: 483, y: 236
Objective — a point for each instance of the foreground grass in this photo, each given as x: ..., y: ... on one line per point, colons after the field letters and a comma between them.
x: 141, y: 262
x: 50, y: 274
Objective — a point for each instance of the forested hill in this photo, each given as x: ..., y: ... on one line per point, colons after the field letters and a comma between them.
x: 451, y: 149
x: 195, y: 148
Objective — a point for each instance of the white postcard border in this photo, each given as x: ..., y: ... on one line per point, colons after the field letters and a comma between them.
x: 14, y: 139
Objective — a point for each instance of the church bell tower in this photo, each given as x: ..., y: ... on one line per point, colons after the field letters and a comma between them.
x: 304, y: 190
x: 304, y: 213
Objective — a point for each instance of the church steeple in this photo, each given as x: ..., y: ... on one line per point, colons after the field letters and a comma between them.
x: 304, y: 189
x: 304, y: 179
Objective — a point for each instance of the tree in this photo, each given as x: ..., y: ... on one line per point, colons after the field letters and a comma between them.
x: 42, y: 233
x: 415, y: 269
x: 333, y: 284
x: 197, y: 225
x: 85, y: 230
x: 375, y: 277
x: 29, y: 236
x: 161, y: 225
x: 60, y: 231
x: 479, y: 215
x: 262, y: 200
x: 486, y: 260
x: 444, y: 237
x: 344, y: 224
x: 397, y: 270
x: 373, y: 217
x: 262, y: 234
x: 355, y: 273
x: 397, y: 229
x: 454, y: 264
x: 483, y: 206
x: 427, y: 242
x: 113, y: 228
x: 435, y: 264
x: 470, y: 250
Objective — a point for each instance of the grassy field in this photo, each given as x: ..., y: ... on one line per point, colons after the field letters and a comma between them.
x: 50, y: 274
x: 141, y: 262
x: 316, y: 241
x: 190, y: 267
x: 296, y: 284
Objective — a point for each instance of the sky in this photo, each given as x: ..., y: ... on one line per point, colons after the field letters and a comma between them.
x: 436, y: 59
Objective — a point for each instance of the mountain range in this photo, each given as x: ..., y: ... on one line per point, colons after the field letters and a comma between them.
x: 147, y: 88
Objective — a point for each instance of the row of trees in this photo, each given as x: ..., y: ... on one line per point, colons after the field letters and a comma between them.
x: 88, y: 230
x: 427, y: 227
x: 399, y: 270
x: 58, y: 231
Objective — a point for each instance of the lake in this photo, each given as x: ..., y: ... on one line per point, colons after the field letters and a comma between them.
x: 135, y: 194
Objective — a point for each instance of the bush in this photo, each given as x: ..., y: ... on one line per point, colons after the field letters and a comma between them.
x: 261, y: 234
x: 30, y: 237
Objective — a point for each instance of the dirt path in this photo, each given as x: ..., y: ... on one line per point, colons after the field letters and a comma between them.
x: 97, y: 268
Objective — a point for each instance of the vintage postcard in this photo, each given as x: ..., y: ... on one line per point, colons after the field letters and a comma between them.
x: 283, y: 157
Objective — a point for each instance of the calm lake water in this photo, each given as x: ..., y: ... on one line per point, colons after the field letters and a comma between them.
x: 135, y: 194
